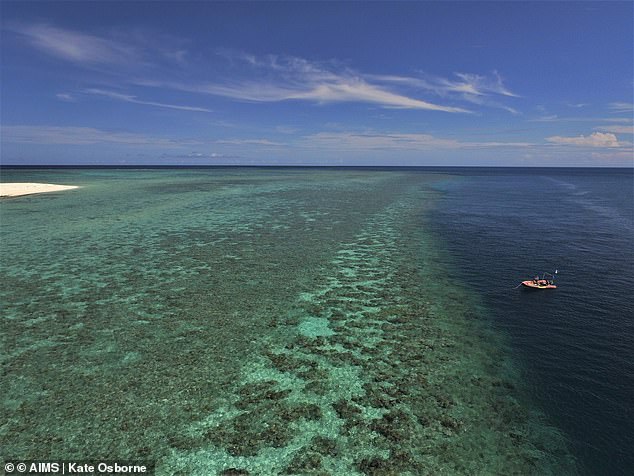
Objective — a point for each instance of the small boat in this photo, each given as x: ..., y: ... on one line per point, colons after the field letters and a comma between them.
x: 541, y: 283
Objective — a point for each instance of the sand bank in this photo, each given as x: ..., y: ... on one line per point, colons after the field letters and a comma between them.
x: 18, y: 189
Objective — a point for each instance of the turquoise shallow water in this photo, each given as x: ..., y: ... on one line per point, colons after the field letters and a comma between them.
x: 253, y: 321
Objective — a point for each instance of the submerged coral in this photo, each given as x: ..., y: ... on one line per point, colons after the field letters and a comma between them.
x: 202, y: 336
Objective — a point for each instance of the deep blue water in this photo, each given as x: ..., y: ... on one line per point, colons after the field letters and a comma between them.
x: 575, y: 344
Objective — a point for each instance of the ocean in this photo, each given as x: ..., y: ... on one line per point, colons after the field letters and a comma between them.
x: 575, y: 344
x: 320, y: 320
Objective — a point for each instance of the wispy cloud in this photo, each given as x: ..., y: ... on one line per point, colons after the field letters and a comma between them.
x: 616, y: 119
x: 548, y: 118
x: 621, y: 107
x: 67, y: 97
x: 71, y: 135
x: 474, y: 88
x: 596, y: 139
x: 395, y: 141
x: 75, y: 46
x: 618, y: 157
x: 556, y: 118
x: 113, y: 51
x: 279, y: 78
x: 471, y: 85
x: 135, y: 100
x: 376, y: 141
x: 289, y: 78
x: 465, y: 83
x: 259, y: 142
x: 617, y: 129
x: 339, y: 89
x: 357, y: 89
x: 199, y: 156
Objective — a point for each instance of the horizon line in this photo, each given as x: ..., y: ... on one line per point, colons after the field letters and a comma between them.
x: 336, y: 166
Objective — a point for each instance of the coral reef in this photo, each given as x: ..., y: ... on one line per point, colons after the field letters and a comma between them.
x: 315, y: 333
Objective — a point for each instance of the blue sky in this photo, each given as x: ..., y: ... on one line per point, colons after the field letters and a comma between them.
x: 317, y: 83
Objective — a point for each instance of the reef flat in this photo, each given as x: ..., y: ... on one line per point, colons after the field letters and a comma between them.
x: 385, y: 370
x: 255, y: 322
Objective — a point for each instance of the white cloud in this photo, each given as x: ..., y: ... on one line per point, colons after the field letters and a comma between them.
x: 134, y: 100
x: 596, y: 139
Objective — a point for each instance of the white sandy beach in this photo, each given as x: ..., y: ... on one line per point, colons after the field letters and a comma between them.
x: 18, y: 189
